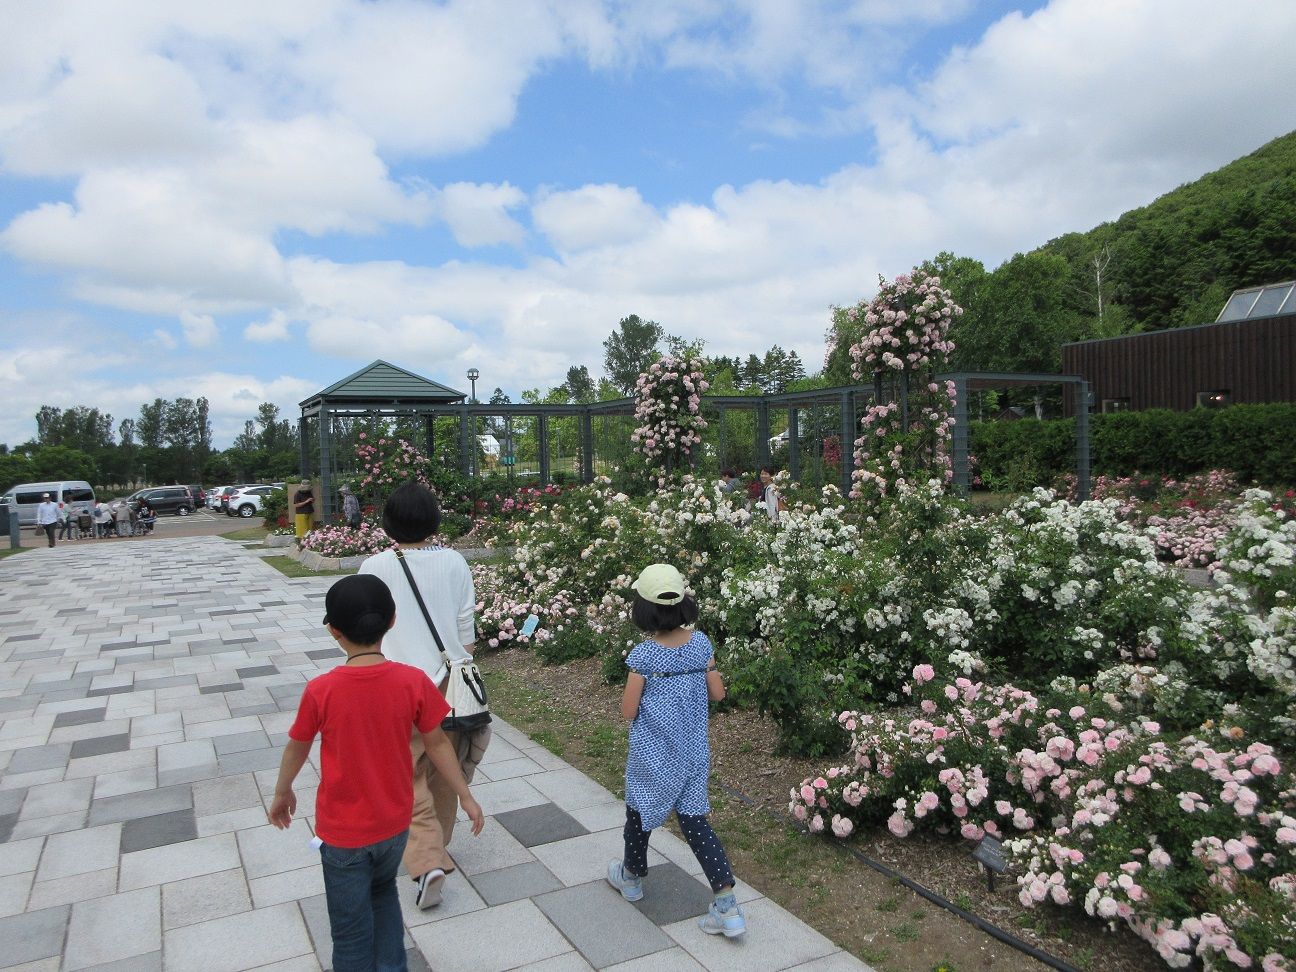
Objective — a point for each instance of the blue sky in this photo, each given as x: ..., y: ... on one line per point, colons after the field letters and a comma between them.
x: 248, y: 201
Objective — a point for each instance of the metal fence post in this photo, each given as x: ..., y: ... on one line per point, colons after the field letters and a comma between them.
x: 762, y: 434
x: 959, y: 442
x: 847, y: 405
x: 587, y: 446
x: 794, y: 452
x: 543, y: 424
x: 465, y: 443
x: 1081, y: 392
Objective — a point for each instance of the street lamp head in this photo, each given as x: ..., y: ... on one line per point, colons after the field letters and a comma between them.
x: 473, y: 374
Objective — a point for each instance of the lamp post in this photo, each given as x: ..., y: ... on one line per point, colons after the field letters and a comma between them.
x: 473, y: 375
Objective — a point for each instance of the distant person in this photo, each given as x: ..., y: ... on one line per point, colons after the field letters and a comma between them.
x: 364, y: 711
x: 146, y: 517
x: 350, y: 507
x: 730, y: 483
x: 67, y: 522
x: 303, y: 509
x: 672, y: 678
x: 47, y: 517
x: 774, y: 503
x: 122, y: 518
x: 103, y: 520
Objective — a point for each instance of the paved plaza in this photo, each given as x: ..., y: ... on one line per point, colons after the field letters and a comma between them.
x: 145, y: 693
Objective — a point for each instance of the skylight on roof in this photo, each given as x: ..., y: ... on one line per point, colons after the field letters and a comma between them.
x: 1267, y: 301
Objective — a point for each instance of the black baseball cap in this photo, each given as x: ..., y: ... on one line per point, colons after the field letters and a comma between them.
x: 361, y: 607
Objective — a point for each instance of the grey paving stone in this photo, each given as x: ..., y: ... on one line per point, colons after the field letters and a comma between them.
x: 671, y: 960
x: 7, y: 822
x: 671, y: 894
x: 98, y: 745
x: 242, y: 941
x: 113, y: 928
x: 603, y: 926
x: 32, y: 758
x: 774, y: 940
x: 53, y: 799
x: 78, y: 717
x: 17, y: 704
x: 142, y: 804
x: 204, y: 897
x: 149, y: 962
x: 540, y: 824
x: 511, y: 883
x: 176, y: 862
x: 34, y: 935
x: 79, y: 852
x: 325, y: 653
x: 241, y: 742
x: 257, y: 671
x: 158, y: 830
x: 504, y: 937
x: 256, y: 759
x: 228, y: 687
x: 11, y: 800
x: 110, y: 690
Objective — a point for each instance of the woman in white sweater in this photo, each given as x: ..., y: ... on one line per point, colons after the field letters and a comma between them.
x: 412, y: 516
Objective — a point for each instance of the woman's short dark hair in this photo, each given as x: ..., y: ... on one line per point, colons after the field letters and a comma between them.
x: 649, y: 616
x: 411, y: 513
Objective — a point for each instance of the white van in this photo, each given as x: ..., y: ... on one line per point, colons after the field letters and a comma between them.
x: 27, y: 496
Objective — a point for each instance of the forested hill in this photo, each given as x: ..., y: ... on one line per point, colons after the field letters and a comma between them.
x: 1169, y: 264
x: 1174, y: 262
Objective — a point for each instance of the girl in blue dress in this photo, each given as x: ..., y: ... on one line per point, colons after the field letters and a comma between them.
x: 672, y: 677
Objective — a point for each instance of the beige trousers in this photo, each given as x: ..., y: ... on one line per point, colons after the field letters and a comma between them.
x: 435, y: 803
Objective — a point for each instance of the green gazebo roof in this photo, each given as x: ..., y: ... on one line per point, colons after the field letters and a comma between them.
x: 382, y: 382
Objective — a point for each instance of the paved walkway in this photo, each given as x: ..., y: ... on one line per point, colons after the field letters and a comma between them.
x: 145, y: 692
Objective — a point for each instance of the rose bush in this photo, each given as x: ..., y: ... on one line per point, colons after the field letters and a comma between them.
x: 668, y: 409
x: 1190, y: 841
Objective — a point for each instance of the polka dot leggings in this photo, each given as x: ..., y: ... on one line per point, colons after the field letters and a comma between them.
x: 702, y: 840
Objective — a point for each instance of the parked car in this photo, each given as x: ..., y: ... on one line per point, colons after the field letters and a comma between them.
x: 199, y: 496
x: 25, y: 497
x: 164, y: 499
x: 229, y: 491
x: 247, y: 501
x: 214, y: 497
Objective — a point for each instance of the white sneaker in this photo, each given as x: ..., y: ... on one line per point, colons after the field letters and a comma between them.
x: 631, y: 887
x: 729, y: 923
x: 429, y: 888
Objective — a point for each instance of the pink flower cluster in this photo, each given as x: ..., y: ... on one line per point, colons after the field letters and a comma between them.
x: 669, y: 410
x: 1096, y: 808
x: 342, y: 541
x: 907, y: 337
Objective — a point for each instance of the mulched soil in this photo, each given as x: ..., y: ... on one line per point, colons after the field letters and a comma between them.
x: 879, y: 920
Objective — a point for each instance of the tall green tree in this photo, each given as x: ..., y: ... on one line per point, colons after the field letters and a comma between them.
x: 580, y: 386
x: 630, y: 349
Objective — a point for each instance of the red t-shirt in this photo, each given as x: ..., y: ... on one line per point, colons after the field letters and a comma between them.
x: 364, y: 716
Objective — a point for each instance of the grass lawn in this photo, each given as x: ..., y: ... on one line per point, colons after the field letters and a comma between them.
x: 291, y: 568
x: 246, y: 534
x: 10, y: 551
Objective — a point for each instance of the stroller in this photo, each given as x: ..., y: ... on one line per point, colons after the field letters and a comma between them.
x: 85, y: 525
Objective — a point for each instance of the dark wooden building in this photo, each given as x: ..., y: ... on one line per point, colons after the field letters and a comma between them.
x: 1247, y: 355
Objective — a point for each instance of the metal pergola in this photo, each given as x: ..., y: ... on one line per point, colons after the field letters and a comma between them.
x: 382, y: 391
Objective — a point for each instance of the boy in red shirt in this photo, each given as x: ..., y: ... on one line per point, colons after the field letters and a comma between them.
x: 363, y: 709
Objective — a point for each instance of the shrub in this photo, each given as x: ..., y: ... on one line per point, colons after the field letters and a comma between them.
x: 1257, y: 442
x: 1190, y: 843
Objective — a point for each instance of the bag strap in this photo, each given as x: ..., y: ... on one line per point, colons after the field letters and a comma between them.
x: 409, y: 575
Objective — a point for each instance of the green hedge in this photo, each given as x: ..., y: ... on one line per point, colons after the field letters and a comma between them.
x: 1257, y: 442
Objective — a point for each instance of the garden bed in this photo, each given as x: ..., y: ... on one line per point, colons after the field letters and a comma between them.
x: 572, y: 709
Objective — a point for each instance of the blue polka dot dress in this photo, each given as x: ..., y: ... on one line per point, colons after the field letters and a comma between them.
x: 670, y: 758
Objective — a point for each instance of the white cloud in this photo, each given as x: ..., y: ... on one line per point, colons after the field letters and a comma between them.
x: 273, y: 328
x: 592, y: 216
x: 200, y: 330
x: 478, y: 215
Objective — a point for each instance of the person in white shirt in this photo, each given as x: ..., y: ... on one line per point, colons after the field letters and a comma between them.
x: 47, y: 516
x: 773, y: 502
x: 412, y: 516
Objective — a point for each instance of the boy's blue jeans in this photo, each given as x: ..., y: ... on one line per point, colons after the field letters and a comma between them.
x: 363, y: 906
